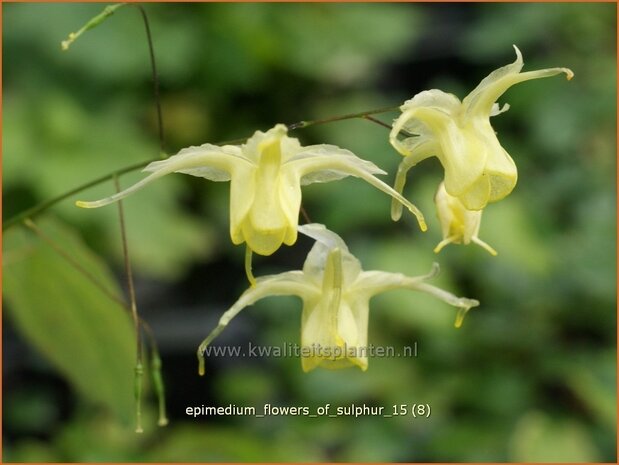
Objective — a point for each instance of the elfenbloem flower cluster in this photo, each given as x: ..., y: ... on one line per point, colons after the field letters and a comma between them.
x: 478, y: 170
x: 267, y: 172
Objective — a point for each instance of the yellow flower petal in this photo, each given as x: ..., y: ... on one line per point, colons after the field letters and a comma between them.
x: 459, y: 225
x: 477, y: 169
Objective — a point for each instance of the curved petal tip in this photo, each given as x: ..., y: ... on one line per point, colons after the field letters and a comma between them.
x: 82, y: 204
x: 518, y: 54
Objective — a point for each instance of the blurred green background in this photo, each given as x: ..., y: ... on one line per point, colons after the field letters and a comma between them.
x: 529, y: 377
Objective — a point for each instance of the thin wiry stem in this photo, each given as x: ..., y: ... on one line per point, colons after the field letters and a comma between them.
x: 377, y: 121
x: 153, y: 64
x: 332, y: 119
x: 128, y: 271
x: 43, y: 206
x: 150, y: 334
x: 38, y: 209
x: 139, y: 367
x: 305, y: 215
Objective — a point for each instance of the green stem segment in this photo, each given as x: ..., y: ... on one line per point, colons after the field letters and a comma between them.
x: 128, y: 271
x: 94, y: 22
x: 155, y: 371
x: 138, y: 378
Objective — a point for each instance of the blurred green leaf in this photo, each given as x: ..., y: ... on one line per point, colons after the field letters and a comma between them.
x: 84, y: 334
x: 596, y: 386
x: 29, y: 451
x: 63, y: 155
x: 508, y: 229
x: 222, y: 444
x: 538, y: 438
x: 250, y: 45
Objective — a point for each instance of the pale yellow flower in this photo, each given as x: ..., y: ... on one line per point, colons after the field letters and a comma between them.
x: 266, y: 175
x: 459, y: 225
x: 477, y: 168
x: 336, y: 293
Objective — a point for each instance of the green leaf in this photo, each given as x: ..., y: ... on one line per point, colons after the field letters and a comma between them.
x: 188, y: 443
x: 538, y: 438
x: 88, y: 337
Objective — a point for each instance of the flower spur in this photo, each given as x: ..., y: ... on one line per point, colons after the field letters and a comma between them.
x: 336, y: 294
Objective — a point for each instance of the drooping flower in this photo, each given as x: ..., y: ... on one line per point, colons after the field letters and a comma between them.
x: 477, y: 168
x: 459, y: 225
x: 336, y: 294
x: 266, y: 175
